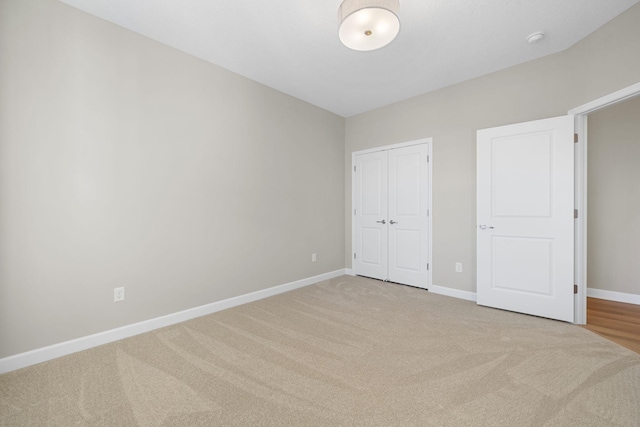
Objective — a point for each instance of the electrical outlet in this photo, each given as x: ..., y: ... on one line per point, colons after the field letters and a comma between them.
x: 458, y: 267
x: 313, y: 258
x: 118, y: 294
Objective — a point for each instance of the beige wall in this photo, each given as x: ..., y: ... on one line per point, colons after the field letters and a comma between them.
x: 604, y: 62
x: 614, y: 198
x: 124, y: 162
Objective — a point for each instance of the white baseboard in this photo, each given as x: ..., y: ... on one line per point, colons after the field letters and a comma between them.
x: 450, y: 292
x: 456, y: 293
x: 613, y: 296
x: 43, y: 354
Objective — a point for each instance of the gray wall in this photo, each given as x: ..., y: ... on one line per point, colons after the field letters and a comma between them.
x: 602, y: 63
x: 124, y: 162
x: 614, y: 198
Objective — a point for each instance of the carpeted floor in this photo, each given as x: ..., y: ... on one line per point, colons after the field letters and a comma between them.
x: 349, y: 351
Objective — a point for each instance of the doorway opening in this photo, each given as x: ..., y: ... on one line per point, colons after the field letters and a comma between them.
x: 581, y: 168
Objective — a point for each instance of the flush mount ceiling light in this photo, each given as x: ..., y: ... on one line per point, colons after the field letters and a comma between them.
x: 535, y: 37
x: 368, y: 24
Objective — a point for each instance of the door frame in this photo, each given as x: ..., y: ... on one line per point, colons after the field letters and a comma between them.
x: 429, y: 143
x: 580, y: 246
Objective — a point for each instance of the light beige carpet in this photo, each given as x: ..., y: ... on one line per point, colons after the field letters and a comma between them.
x: 349, y: 351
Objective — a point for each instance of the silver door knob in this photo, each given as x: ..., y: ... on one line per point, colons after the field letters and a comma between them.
x: 392, y: 222
x: 485, y: 227
x: 382, y: 222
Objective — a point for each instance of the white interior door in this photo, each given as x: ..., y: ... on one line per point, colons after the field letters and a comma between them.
x: 409, y: 215
x: 391, y: 214
x: 525, y: 206
x: 370, y: 215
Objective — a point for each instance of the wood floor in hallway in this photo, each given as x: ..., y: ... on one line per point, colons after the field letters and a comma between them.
x: 616, y: 321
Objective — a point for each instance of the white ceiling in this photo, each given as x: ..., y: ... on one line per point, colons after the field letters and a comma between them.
x: 293, y: 46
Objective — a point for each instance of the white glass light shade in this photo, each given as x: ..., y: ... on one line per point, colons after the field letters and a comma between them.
x: 368, y: 24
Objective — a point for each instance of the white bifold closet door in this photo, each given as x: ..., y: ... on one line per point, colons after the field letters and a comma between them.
x: 391, y: 215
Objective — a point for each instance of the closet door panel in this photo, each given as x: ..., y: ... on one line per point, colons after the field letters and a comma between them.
x: 408, y: 214
x: 370, y: 215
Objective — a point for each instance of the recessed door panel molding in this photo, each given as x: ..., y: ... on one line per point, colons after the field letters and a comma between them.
x: 372, y: 187
x: 407, y: 259
x: 406, y: 181
x: 372, y: 247
x: 391, y: 213
x: 525, y: 226
x: 522, y: 160
x: 522, y: 264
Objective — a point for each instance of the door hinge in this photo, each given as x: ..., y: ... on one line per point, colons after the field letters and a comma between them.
x: 354, y: 211
x: 354, y: 168
x: 575, y: 213
x: 575, y: 138
x: 427, y: 266
x: 427, y: 159
x: 575, y: 289
x: 354, y: 255
x: 427, y: 212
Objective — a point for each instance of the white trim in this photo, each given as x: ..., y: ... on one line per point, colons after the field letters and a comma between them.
x: 581, y: 242
x: 429, y: 143
x: 607, y: 100
x: 614, y: 296
x: 43, y: 354
x: 455, y: 293
x: 388, y: 147
x: 580, y: 228
x: 349, y: 272
x: 430, y: 246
